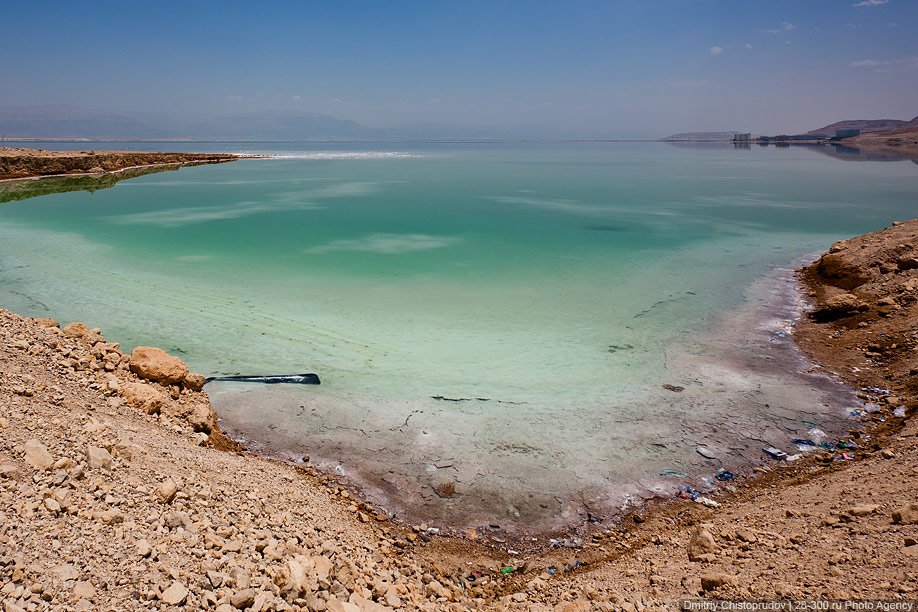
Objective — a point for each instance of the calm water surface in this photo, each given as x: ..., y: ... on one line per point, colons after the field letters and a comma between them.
x: 544, y: 291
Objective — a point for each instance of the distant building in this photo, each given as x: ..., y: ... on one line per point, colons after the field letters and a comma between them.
x: 745, y: 137
x: 847, y: 133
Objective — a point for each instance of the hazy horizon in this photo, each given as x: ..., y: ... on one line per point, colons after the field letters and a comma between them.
x: 584, y: 70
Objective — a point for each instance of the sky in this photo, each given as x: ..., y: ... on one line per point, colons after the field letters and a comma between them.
x: 594, y: 69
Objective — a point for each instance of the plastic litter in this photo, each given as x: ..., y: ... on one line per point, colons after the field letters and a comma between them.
x: 572, y: 565
x: 899, y: 412
x: 508, y: 570
x: 724, y: 475
x: 816, y: 435
x: 673, y: 472
x: 774, y: 453
x: 707, y: 501
x: 793, y: 457
x: 339, y: 469
x: 687, y: 492
x: 551, y: 571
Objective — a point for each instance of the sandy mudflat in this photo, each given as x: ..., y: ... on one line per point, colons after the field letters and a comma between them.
x: 17, y: 163
x: 119, y: 493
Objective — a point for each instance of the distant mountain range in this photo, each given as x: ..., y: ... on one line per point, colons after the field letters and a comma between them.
x: 66, y: 122
x: 76, y: 122
x: 866, y: 126
x: 700, y: 137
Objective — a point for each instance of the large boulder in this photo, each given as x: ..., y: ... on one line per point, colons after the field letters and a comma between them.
x: 702, y: 546
x: 157, y: 365
x: 837, y: 307
x: 80, y: 331
x: 202, y: 417
x: 141, y: 395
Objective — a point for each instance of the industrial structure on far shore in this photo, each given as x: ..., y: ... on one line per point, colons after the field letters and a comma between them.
x: 746, y: 137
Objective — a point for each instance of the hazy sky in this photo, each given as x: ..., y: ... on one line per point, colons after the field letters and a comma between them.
x: 636, y: 68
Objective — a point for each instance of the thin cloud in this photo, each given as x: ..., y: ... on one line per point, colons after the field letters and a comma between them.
x: 870, y: 3
x: 911, y: 62
x: 234, y: 97
x: 715, y: 50
x: 785, y: 27
x: 748, y: 46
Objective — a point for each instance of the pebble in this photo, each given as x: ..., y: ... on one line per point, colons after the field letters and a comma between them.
x: 166, y: 490
x: 243, y: 599
x: 84, y: 590
x: 863, y: 509
x: 710, y: 582
x: 98, y: 458
x: 37, y: 455
x: 144, y: 549
x: 176, y: 594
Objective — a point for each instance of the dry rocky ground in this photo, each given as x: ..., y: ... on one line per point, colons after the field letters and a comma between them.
x: 17, y: 163
x: 118, y: 492
x: 903, y: 141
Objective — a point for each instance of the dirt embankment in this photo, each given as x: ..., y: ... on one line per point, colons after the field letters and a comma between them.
x: 25, y: 163
x: 112, y: 498
x: 903, y: 141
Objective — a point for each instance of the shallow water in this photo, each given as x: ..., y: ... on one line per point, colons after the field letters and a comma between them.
x: 551, y: 288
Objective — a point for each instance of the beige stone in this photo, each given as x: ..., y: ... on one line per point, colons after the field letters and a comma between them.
x: 906, y: 515
x: 157, y: 365
x: 710, y: 582
x: 37, y: 455
x: 98, y: 458
x: 144, y: 397
x: 702, y: 545
x: 176, y: 594
x: 194, y: 381
x: 243, y: 599
x: 84, y: 590
x: 166, y: 490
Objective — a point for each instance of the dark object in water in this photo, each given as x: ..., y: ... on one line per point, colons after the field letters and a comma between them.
x: 296, y: 379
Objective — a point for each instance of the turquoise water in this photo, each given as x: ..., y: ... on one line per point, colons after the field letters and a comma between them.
x: 559, y: 282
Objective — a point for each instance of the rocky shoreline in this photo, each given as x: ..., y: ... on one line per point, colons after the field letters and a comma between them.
x: 17, y: 163
x: 117, y: 491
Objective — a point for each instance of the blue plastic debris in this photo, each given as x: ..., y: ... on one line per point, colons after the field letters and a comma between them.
x: 724, y: 475
x: 687, y: 492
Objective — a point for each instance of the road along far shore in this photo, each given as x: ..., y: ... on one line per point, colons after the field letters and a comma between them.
x: 18, y: 163
x: 117, y: 490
